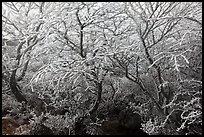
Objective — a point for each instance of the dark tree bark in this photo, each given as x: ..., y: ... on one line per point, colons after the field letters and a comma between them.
x: 82, y: 53
x: 98, y: 100
x: 15, y: 88
x: 81, y: 42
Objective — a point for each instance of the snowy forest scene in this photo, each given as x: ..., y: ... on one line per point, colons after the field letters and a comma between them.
x: 101, y: 68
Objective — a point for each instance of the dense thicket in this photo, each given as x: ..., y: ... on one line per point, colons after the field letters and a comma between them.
x: 103, y: 67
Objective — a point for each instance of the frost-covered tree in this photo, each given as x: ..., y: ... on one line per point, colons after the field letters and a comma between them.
x: 76, y: 56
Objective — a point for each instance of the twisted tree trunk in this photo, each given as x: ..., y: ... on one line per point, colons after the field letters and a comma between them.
x: 15, y: 88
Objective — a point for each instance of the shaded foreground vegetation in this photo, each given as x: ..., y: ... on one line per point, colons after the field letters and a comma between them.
x: 105, y: 68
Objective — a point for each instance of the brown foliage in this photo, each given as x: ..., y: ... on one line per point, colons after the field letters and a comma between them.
x: 10, y: 126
